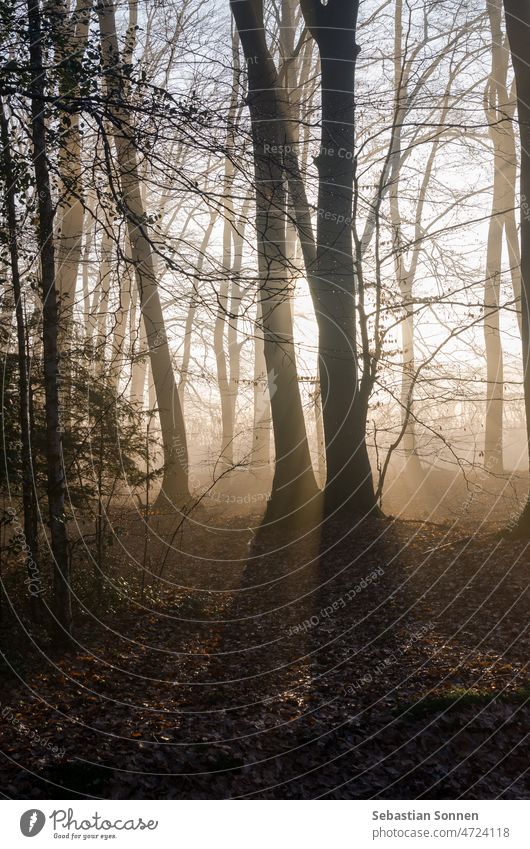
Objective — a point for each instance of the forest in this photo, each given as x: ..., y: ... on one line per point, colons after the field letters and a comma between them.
x: 265, y: 349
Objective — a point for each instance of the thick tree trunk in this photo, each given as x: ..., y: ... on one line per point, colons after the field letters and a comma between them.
x: 175, y: 489
x: 518, y: 29
x: 56, y: 481
x: 349, y: 475
x: 28, y: 473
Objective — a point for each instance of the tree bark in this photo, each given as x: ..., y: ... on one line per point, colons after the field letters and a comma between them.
x: 50, y: 326
x: 261, y: 427
x: 125, y: 283
x: 349, y: 475
x: 496, y: 102
x: 28, y: 472
x: 518, y: 29
x: 294, y: 483
x: 226, y: 453
x: 70, y: 35
x: 139, y: 352
x: 175, y: 488
x: 221, y: 359
x: 103, y: 292
x: 405, y: 276
x: 88, y: 238
x: 192, y: 308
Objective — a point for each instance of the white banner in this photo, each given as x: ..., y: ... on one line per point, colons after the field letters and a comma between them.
x: 267, y: 824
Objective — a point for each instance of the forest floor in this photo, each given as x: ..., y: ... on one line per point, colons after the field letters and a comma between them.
x: 388, y: 660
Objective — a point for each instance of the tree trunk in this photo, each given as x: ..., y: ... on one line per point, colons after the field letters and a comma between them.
x: 406, y: 251
x: 139, y: 353
x: 125, y: 282
x: 56, y: 481
x: 88, y: 239
x: 223, y: 375
x: 192, y: 308
x: 28, y: 473
x: 349, y: 475
x: 413, y: 465
x: 70, y: 34
x: 175, y: 489
x: 261, y: 429
x: 103, y: 292
x: 228, y: 362
x: 518, y: 29
x: 405, y: 276
x: 294, y: 483
x: 226, y: 453
x: 496, y: 104
x: 319, y: 432
x: 493, y: 453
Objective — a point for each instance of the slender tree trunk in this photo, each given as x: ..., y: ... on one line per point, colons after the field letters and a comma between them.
x: 233, y: 343
x: 518, y: 29
x: 139, y: 353
x: 496, y: 98
x: 28, y: 473
x: 223, y: 375
x: 227, y: 421
x: 228, y: 362
x: 103, y: 291
x: 287, y: 74
x: 413, y: 464
x: 261, y: 430
x: 500, y: 110
x: 319, y: 431
x: 70, y: 34
x: 493, y: 450
x: 56, y: 481
x: 192, y: 309
x: 125, y: 283
x: 88, y: 239
x: 406, y: 256
x: 186, y: 351
x: 405, y: 276
x: 175, y: 488
x: 512, y: 240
